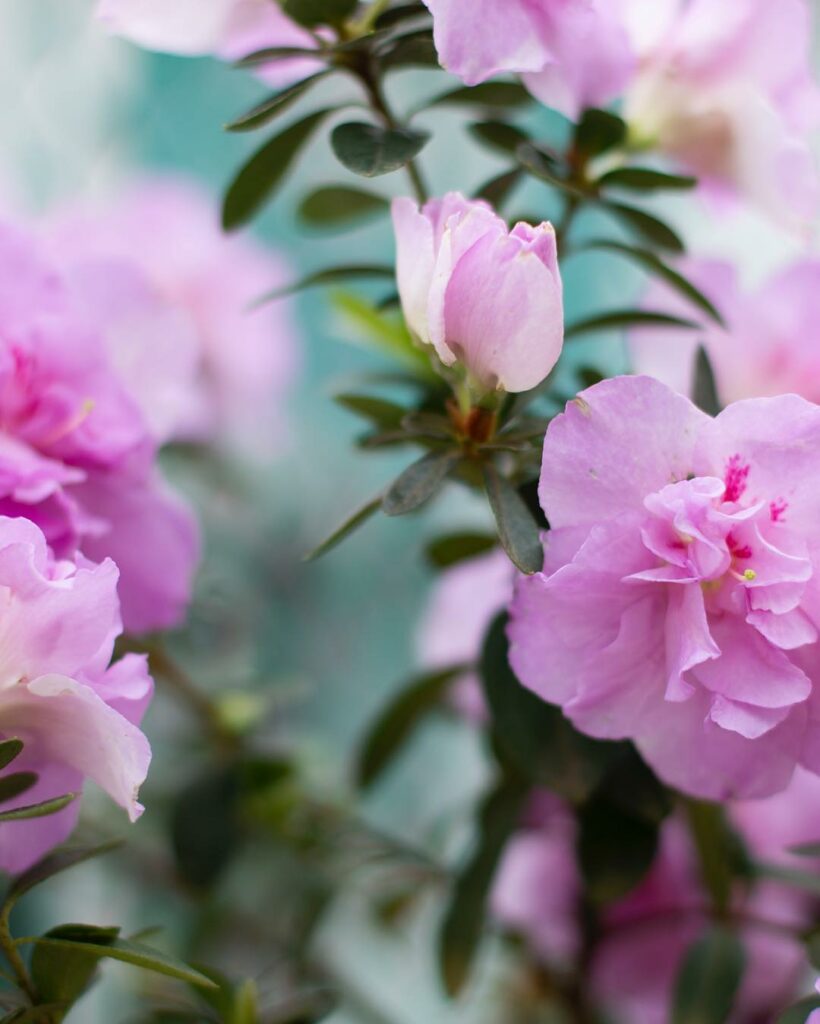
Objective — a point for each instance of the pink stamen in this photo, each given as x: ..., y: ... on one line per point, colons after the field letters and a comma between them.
x: 736, y: 476
x: 777, y: 509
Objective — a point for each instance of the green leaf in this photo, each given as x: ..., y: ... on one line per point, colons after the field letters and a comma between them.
x: 808, y: 880
x: 645, y: 179
x: 134, y: 953
x: 709, y: 979
x: 458, y: 547
x: 419, y: 482
x: 336, y: 207
x: 61, y: 974
x: 245, y: 1009
x: 311, y: 13
x: 40, y: 810
x: 498, y: 135
x: 463, y: 923
x: 497, y: 190
x: 533, y: 736
x: 705, y: 389
x: 371, y: 151
x: 9, y: 750
x: 414, y: 49
x: 517, y: 530
x: 488, y: 94
x: 799, y: 1013
x: 615, y: 849
x: 386, y: 332
x: 332, y: 275
x: 648, y: 228
x: 806, y: 850
x: 625, y: 318
x: 360, y: 516
x: 384, y: 414
x: 261, y: 176
x: 15, y: 784
x: 721, y: 853
x: 33, y: 1014
x: 632, y: 787
x: 403, y: 12
x: 395, y: 725
x: 54, y: 864
x: 205, y: 826
x: 271, y: 107
x: 649, y: 261
x: 599, y: 131
x: 271, y: 54
x: 541, y: 166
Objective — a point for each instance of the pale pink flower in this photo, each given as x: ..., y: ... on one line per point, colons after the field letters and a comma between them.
x: 76, y: 714
x: 486, y: 298
x: 678, y: 605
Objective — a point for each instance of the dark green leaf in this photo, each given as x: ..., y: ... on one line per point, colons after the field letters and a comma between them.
x: 9, y: 750
x: 319, y: 12
x: 61, y: 974
x: 721, y: 854
x: 55, y: 863
x: 371, y: 151
x: 271, y: 54
x: 40, y: 810
x: 205, y: 827
x: 799, y: 1013
x: 705, y: 390
x: 806, y: 850
x: 649, y: 261
x: 15, y: 784
x: 648, y: 228
x: 517, y: 530
x: 271, y: 107
x: 497, y: 190
x: 458, y: 547
x: 395, y: 725
x: 403, y: 12
x: 463, y: 923
x: 360, y: 516
x: 387, y: 415
x: 33, y: 1014
x: 498, y: 135
x: 615, y: 849
x: 261, y: 176
x: 645, y: 179
x: 632, y: 787
x: 415, y: 49
x: 333, y: 275
x: 625, y: 318
x: 709, y: 979
x: 487, y: 94
x: 418, y: 483
x: 338, y: 207
x: 812, y: 944
x: 808, y: 880
x: 598, y: 131
x: 541, y: 166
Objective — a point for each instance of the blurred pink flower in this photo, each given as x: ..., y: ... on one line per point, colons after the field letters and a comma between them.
x: 678, y: 605
x: 484, y: 297
x: 76, y: 454
x: 77, y: 716
x: 172, y: 293
x: 766, y: 347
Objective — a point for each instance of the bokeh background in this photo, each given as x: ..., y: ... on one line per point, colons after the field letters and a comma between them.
x: 84, y: 115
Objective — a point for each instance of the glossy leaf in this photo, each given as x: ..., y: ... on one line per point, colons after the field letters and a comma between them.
x: 391, y: 731
x: 705, y: 389
x: 646, y: 179
x: 621, y: 318
x: 271, y: 107
x: 418, y: 483
x: 39, y: 810
x: 371, y: 151
x: 311, y: 13
x: 486, y: 94
x: 647, y: 227
x: 599, y: 131
x: 447, y: 551
x: 259, y: 179
x: 709, y: 979
x: 463, y: 923
x: 498, y: 135
x: 9, y: 750
x: 332, y: 275
x: 517, y: 530
x: 337, y: 207
x: 360, y: 516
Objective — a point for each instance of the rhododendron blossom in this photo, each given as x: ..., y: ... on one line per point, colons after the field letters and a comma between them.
x: 77, y: 716
x: 678, y: 605
x: 486, y: 298
x: 76, y: 454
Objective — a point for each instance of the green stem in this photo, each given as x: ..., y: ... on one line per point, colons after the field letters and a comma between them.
x: 13, y: 957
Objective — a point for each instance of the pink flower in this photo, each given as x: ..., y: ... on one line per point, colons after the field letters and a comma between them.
x: 679, y: 598
x: 572, y: 54
x: 76, y: 454
x: 77, y: 716
x: 762, y: 351
x: 171, y: 294
x: 484, y: 297
x: 228, y: 29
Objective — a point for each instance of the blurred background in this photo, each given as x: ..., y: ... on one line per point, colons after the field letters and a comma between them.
x: 321, y: 644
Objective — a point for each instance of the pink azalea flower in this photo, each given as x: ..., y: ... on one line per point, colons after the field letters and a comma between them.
x: 171, y: 294
x: 678, y: 602
x: 77, y: 716
x: 76, y: 454
x: 764, y: 349
x: 484, y: 297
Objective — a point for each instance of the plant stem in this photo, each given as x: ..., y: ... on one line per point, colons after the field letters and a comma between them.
x: 13, y: 957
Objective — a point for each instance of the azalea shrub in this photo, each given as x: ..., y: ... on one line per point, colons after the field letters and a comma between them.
x: 629, y: 639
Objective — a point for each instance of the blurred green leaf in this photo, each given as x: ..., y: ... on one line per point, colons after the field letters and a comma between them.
x: 311, y: 13
x: 808, y: 880
x: 359, y: 517
x: 271, y: 54
x: 40, y: 810
x: 709, y: 979
x: 332, y: 275
x: 245, y: 1009
x: 486, y: 94
x: 205, y: 826
x: 632, y: 787
x: 62, y: 973
x: 271, y: 107
x: 414, y: 49
x: 721, y: 853
x: 419, y: 482
x: 395, y: 725
x: 517, y: 530
x: 33, y: 1014
x: 9, y: 750
x: 498, y: 135
x: 15, y: 784
x: 705, y: 390
x: 806, y: 849
x: 401, y: 12
x: 463, y: 923
x: 258, y: 180
x: 599, y: 131
x: 384, y: 414
x: 371, y: 150
x: 55, y: 863
x: 453, y: 548
x: 615, y: 849
x: 800, y: 1012
x: 649, y: 228
x: 540, y: 165
x: 645, y: 179
x: 337, y: 207
x: 386, y: 332
x: 497, y: 190
x: 625, y: 318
